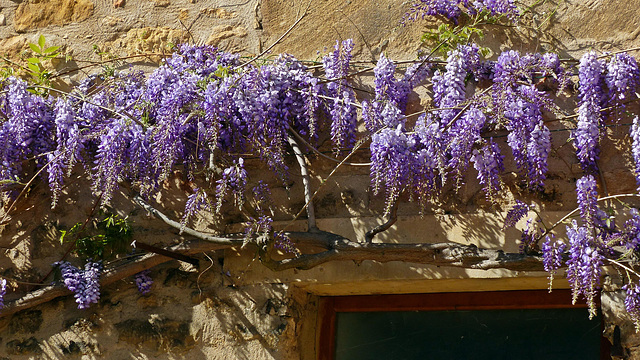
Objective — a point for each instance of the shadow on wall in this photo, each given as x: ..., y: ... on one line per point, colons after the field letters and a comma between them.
x: 189, y: 314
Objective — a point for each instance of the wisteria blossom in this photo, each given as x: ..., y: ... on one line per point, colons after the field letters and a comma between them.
x: 587, y: 199
x: 635, y: 148
x: 623, y: 77
x: 552, y: 252
x: 143, y: 282
x: 392, y: 162
x: 3, y: 291
x: 83, y: 282
x: 516, y: 213
x: 204, y: 117
x: 452, y: 9
x: 488, y: 162
x: 584, y: 266
x: 341, y: 109
x: 587, y: 133
x: 632, y: 303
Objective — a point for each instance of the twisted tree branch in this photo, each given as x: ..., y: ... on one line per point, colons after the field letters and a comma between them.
x: 393, y: 217
x: 337, y: 249
x: 440, y: 254
x: 341, y: 249
x: 306, y: 182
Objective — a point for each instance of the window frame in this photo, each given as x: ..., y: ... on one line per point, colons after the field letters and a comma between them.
x: 329, y: 306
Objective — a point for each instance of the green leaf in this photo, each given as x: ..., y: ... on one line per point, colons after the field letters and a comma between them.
x: 485, y: 52
x: 62, y: 235
x: 33, y: 60
x: 35, y: 48
x: 9, y: 182
x: 34, y: 68
x: 221, y: 71
x: 41, y: 41
x: 52, y: 49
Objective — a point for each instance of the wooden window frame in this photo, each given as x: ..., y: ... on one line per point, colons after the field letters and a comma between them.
x: 490, y: 300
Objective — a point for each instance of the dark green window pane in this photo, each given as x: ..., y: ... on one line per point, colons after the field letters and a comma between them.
x: 479, y: 334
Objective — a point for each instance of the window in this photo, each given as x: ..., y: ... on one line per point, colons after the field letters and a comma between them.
x: 476, y: 325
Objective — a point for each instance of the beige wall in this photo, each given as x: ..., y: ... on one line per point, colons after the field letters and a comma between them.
x: 231, y: 306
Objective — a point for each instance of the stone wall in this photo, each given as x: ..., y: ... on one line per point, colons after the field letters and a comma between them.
x: 230, y: 306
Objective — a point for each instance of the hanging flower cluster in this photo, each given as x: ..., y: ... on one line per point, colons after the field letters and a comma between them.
x: 587, y: 134
x: 552, y: 257
x: 632, y: 303
x: 204, y: 114
x: 3, y: 291
x: 452, y: 9
x: 143, y: 281
x: 83, y: 282
x: 342, y: 110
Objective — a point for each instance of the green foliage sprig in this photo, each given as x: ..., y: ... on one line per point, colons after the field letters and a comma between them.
x: 111, y: 236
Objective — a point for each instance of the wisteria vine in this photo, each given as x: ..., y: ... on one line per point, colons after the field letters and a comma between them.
x: 201, y: 113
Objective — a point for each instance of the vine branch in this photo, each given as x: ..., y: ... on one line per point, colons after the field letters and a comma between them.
x: 337, y: 248
x: 393, y: 217
x: 311, y: 217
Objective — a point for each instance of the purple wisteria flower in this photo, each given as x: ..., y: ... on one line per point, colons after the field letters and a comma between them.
x: 447, y: 8
x: 584, y: 266
x: 68, y: 150
x: 632, y: 303
x: 261, y: 228
x: 269, y: 103
x: 587, y: 133
x: 392, y: 162
x: 552, y: 257
x: 635, y: 148
x: 470, y: 55
x: 262, y: 197
x: 452, y: 9
x: 519, y: 105
x: 631, y: 231
x: 449, y: 88
x: 283, y: 243
x: 587, y: 136
x: 110, y: 160
x: 371, y: 115
x: 518, y: 211
x: 26, y: 128
x: 586, y: 189
x: 488, y: 163
x: 195, y: 202
x: 3, y: 291
x: 396, y: 91
x: 385, y: 79
x: 430, y: 157
x: 343, y: 113
x: 462, y: 136
x: 234, y: 181
x: 623, y: 76
x: 83, y: 282
x: 528, y: 237
x: 538, y: 150
x: 498, y: 7
x: 143, y: 281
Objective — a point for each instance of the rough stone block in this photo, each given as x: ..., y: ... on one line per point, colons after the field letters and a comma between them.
x: 36, y: 14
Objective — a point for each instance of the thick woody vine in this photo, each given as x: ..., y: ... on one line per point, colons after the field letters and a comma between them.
x: 204, y: 112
